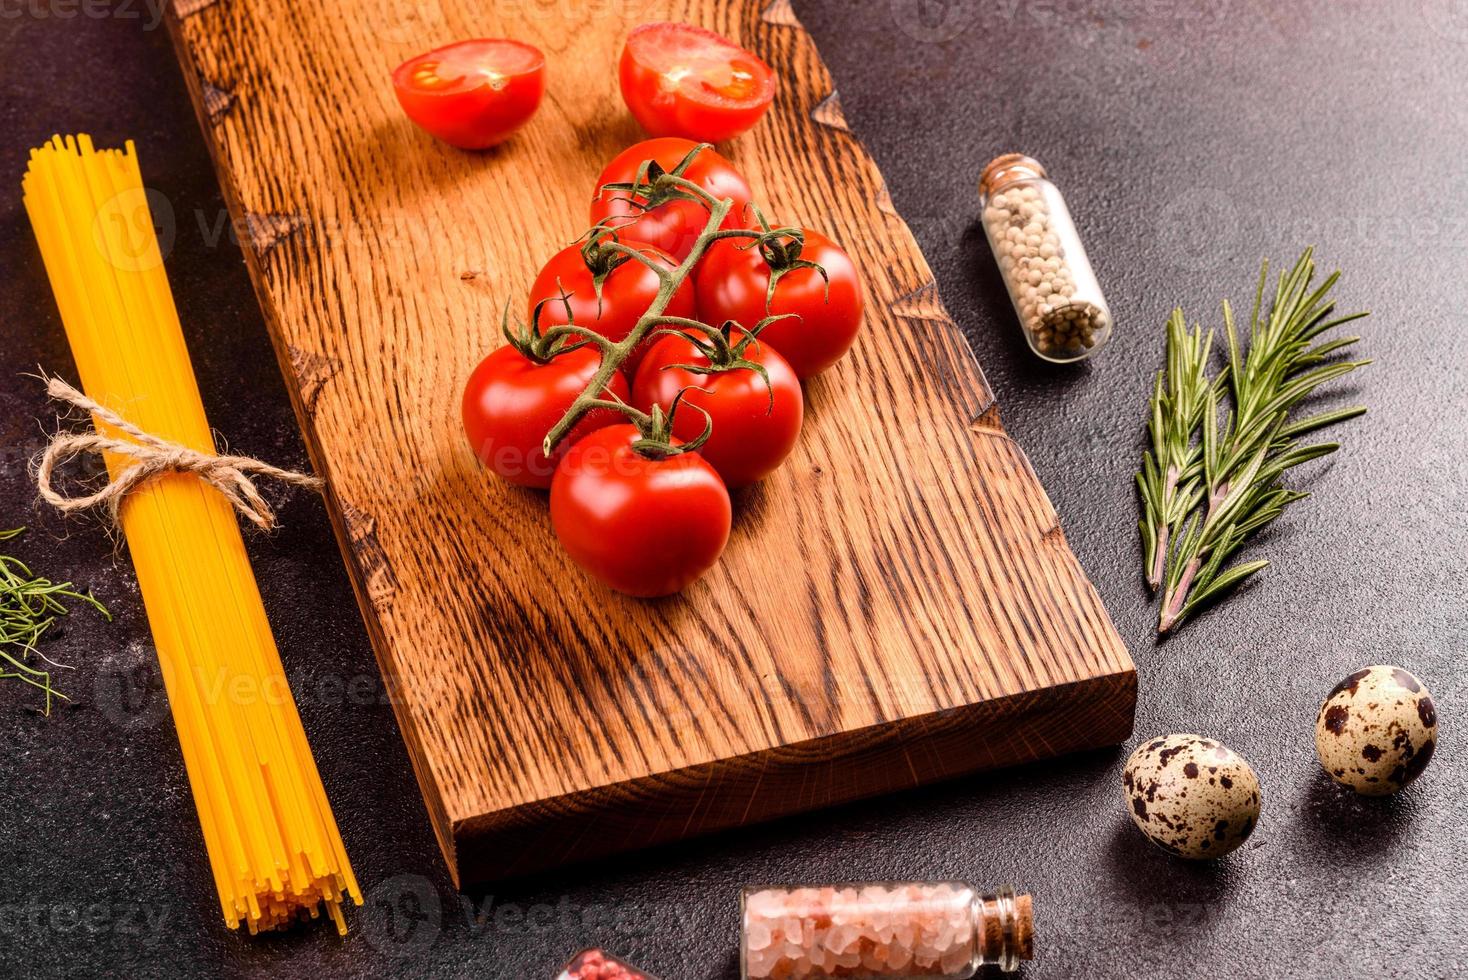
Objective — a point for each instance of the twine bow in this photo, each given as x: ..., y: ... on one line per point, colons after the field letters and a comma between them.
x: 230, y: 475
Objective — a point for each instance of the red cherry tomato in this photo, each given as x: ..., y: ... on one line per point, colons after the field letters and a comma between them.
x: 646, y: 527
x: 472, y: 94
x: 681, y: 80
x: 511, y: 402
x: 751, y: 433
x: 731, y: 284
x: 673, y: 225
x: 626, y: 293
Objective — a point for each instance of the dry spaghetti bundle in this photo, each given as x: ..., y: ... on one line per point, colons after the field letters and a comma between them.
x: 273, y: 843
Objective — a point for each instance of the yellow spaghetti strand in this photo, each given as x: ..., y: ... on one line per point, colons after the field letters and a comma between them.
x: 274, y: 848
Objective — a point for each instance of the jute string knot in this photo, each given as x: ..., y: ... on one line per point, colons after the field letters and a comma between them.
x: 230, y: 475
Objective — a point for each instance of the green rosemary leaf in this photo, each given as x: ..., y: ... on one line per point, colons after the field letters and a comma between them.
x: 1235, y: 358
x: 1295, y: 455
x: 1319, y: 353
x: 1302, y: 385
x: 1223, y: 582
x: 1318, y: 329
x: 1322, y: 420
x: 1211, y: 463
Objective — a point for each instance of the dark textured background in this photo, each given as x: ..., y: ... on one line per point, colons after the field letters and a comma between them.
x: 1190, y: 140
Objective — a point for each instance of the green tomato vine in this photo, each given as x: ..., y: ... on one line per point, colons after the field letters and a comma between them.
x: 652, y: 187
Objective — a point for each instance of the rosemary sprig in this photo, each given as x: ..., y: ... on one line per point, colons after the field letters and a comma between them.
x: 1207, y: 486
x: 29, y: 606
x: 1171, y: 469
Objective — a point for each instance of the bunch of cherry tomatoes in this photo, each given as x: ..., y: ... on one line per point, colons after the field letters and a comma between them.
x: 708, y: 399
x: 661, y: 361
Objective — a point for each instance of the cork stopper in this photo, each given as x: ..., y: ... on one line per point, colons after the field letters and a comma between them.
x: 1006, y: 169
x: 1024, y: 927
x: 1007, y: 928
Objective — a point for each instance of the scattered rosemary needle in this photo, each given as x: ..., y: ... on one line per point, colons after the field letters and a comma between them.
x: 1207, y: 486
x: 29, y: 606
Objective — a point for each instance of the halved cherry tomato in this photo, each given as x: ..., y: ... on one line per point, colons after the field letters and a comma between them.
x: 511, y: 402
x: 731, y: 284
x: 626, y: 292
x: 472, y: 94
x: 646, y: 527
x: 682, y: 80
x: 754, y: 425
x: 672, y: 226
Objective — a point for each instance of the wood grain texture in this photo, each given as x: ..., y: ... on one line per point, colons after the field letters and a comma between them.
x: 889, y: 611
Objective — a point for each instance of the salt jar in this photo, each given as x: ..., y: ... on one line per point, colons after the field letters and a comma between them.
x: 1042, y: 261
x: 939, y: 929
x: 598, y: 964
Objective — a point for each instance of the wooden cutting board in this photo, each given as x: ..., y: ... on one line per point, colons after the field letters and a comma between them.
x: 896, y: 605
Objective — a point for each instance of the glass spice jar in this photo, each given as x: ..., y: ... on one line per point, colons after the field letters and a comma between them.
x: 598, y: 964
x: 1042, y: 261
x: 939, y: 929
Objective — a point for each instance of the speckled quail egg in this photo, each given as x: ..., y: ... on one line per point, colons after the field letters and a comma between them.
x: 1377, y: 730
x: 1192, y: 796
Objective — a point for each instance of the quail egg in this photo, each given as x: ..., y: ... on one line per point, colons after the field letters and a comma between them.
x: 1377, y: 730
x: 1192, y: 796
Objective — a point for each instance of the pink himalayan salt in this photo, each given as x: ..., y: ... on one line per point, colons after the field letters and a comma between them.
x: 910, y: 930
x: 597, y: 964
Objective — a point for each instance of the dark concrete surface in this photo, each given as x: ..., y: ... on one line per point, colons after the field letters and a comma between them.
x: 1191, y: 140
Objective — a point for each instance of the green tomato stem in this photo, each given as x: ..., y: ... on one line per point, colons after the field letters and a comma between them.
x: 669, y: 281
